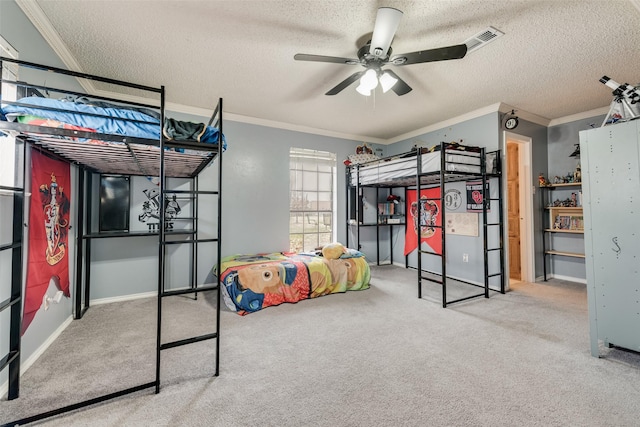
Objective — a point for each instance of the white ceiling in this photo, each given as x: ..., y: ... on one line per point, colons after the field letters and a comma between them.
x: 547, y: 64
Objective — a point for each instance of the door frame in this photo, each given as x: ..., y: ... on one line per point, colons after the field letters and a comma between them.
x: 526, y: 204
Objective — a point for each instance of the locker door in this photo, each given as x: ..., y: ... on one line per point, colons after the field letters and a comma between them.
x: 611, y: 172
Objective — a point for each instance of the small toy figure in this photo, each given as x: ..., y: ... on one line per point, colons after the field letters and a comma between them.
x: 542, y: 181
x: 577, y: 174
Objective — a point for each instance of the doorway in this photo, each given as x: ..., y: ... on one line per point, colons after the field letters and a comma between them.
x: 519, y: 199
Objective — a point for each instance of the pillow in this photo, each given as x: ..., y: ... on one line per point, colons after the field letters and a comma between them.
x: 333, y: 250
x: 351, y: 253
x: 362, y: 158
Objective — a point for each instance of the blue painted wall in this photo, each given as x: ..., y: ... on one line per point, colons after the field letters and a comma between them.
x: 561, y: 143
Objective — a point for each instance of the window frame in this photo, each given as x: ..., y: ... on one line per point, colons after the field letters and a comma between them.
x: 315, y: 215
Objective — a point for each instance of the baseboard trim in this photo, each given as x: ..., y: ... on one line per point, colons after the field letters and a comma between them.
x: 567, y: 278
x: 4, y: 388
x: 122, y: 298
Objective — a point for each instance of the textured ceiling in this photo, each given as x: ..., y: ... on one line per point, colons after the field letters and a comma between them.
x: 548, y: 63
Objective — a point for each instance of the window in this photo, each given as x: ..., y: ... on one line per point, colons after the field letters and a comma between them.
x: 312, y: 188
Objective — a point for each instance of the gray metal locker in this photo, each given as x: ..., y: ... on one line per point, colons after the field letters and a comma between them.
x: 611, y: 202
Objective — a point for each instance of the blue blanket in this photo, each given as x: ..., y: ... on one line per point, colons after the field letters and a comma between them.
x: 108, y: 120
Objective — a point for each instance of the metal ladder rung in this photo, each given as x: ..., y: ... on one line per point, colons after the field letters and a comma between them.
x: 494, y: 275
x: 431, y: 280
x: 189, y: 290
x: 10, y: 357
x: 422, y: 251
x: 181, y: 242
x: 188, y: 341
x: 189, y: 192
x: 9, y: 188
x: 10, y: 246
x: 465, y: 298
x: 8, y: 303
x: 494, y: 249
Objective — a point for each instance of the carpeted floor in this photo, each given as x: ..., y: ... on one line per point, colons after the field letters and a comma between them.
x: 378, y: 357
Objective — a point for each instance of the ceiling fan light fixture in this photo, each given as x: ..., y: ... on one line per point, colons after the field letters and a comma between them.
x: 369, y: 80
x: 363, y: 90
x: 387, y: 81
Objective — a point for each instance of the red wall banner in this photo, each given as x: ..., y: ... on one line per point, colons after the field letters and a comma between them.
x: 429, y: 223
x: 48, y: 232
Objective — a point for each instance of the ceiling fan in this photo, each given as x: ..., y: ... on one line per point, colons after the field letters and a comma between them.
x: 377, y: 53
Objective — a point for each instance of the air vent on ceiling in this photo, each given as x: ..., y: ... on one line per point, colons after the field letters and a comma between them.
x: 482, y: 38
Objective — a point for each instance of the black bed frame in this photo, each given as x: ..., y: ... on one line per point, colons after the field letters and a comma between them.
x: 421, y: 180
x: 51, y: 141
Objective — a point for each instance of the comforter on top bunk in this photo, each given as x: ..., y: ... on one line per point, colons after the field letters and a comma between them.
x: 458, y: 158
x: 253, y: 282
x: 106, y: 118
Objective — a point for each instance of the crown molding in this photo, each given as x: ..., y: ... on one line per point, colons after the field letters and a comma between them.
x: 304, y: 129
x: 579, y: 116
x: 450, y: 122
x: 51, y: 36
x: 525, y: 115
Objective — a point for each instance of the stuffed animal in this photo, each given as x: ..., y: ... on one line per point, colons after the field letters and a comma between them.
x: 333, y: 250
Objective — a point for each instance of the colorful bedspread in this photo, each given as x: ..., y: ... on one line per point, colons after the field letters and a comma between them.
x: 253, y: 282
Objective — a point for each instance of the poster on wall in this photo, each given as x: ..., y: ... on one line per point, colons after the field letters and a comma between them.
x: 474, y: 196
x: 452, y: 199
x: 462, y: 223
x: 146, y: 203
x: 48, y: 257
x: 423, y: 219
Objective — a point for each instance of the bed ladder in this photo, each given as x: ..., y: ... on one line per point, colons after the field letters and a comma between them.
x: 193, y: 241
x: 14, y: 302
x: 500, y: 224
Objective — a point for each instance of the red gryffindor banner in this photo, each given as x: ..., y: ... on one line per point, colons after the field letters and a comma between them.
x: 430, y: 220
x: 48, y: 226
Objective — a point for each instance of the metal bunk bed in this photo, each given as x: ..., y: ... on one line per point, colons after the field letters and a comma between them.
x: 108, y: 153
x: 428, y: 168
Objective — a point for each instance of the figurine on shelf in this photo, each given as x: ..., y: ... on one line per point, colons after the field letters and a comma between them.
x: 542, y: 181
x: 574, y: 200
x: 577, y: 174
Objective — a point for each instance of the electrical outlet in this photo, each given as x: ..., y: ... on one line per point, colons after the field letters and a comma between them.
x: 465, y: 257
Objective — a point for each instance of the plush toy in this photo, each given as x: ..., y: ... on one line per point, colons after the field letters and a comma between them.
x: 333, y: 250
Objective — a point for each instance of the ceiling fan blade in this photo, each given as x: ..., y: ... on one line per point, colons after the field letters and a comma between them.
x: 322, y: 58
x: 346, y: 82
x: 440, y: 54
x: 401, y: 87
x: 387, y: 22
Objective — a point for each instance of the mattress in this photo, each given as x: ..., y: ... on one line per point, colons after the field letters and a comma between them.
x: 389, y: 170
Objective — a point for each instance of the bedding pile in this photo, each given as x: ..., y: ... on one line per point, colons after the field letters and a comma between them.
x: 253, y: 282
x: 105, y: 118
